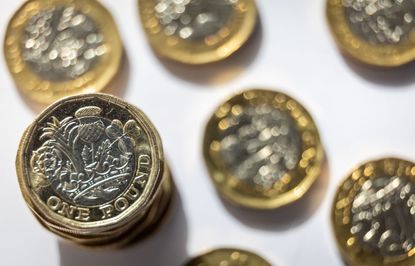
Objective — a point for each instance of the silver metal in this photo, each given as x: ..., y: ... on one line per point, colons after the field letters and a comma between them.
x: 61, y: 43
x: 87, y: 159
x: 193, y: 19
x: 384, y: 215
x: 381, y: 21
x: 261, y: 144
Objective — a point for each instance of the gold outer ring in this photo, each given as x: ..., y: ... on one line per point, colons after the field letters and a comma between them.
x: 348, y: 245
x: 353, y: 45
x: 136, y: 209
x: 232, y: 256
x: 300, y: 179
x: 220, y: 46
x: 46, y: 91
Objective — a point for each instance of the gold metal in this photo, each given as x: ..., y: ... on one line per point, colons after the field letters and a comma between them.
x: 262, y: 149
x: 383, y: 54
x: 373, y: 213
x: 214, y: 46
x: 91, y: 169
x: 228, y: 256
x: 95, y: 68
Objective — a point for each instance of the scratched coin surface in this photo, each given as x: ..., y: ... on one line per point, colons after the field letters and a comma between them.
x: 228, y: 257
x: 262, y: 149
x: 59, y: 48
x: 195, y: 31
x: 90, y: 161
x: 374, y: 31
x: 373, y: 214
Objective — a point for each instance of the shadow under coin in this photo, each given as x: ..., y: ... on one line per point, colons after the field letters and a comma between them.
x: 388, y: 76
x: 222, y: 71
x: 116, y: 87
x: 289, y: 216
x: 119, y: 84
x: 166, y: 247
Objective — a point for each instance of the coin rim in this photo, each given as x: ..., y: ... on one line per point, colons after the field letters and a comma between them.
x: 209, y: 252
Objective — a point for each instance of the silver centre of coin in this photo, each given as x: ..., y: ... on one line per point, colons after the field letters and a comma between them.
x: 384, y: 215
x: 261, y: 145
x: 193, y: 19
x: 87, y: 159
x: 61, y: 43
x: 381, y: 21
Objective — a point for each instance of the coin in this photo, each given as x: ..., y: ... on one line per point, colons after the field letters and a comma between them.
x: 91, y: 166
x: 195, y: 31
x: 57, y: 48
x: 376, y: 32
x: 262, y: 149
x: 228, y: 257
x: 373, y: 214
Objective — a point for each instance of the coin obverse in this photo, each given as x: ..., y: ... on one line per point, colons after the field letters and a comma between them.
x: 373, y: 214
x: 229, y: 257
x: 262, y: 149
x: 195, y: 31
x: 91, y: 167
x: 375, y: 32
x: 57, y: 48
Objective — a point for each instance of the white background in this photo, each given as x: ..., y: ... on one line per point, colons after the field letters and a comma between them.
x: 362, y: 113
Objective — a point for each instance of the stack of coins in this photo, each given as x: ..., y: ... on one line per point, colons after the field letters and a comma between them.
x: 91, y: 170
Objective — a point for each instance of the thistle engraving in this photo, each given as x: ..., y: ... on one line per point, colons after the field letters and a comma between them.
x: 87, y: 159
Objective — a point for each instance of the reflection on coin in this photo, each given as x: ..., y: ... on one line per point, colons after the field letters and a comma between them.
x: 60, y: 48
x: 262, y: 149
x: 91, y: 166
x: 374, y: 212
x: 228, y: 257
x: 374, y: 31
x: 196, y: 31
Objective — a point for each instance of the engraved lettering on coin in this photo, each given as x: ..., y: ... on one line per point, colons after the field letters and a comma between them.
x: 87, y: 159
x: 193, y: 19
x: 381, y: 21
x: 260, y: 144
x: 383, y: 215
x: 61, y: 43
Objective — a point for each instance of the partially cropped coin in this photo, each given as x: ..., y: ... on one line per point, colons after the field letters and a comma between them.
x: 376, y: 32
x: 197, y: 31
x: 228, y: 257
x: 91, y: 169
x: 57, y: 48
x: 373, y: 214
x: 262, y: 149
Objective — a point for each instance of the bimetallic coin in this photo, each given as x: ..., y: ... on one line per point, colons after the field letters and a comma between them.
x: 228, y: 257
x: 262, y: 149
x: 196, y: 31
x: 56, y: 48
x: 90, y: 164
x: 374, y: 31
x: 374, y: 212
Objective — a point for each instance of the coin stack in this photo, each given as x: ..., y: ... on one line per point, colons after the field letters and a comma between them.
x: 91, y: 170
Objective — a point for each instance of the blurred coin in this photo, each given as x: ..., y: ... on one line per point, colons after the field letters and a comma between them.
x: 262, y: 149
x: 195, y: 31
x: 90, y: 166
x: 373, y: 214
x: 56, y: 48
x: 228, y: 257
x: 376, y: 32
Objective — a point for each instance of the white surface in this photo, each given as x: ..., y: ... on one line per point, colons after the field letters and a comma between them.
x: 362, y: 113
